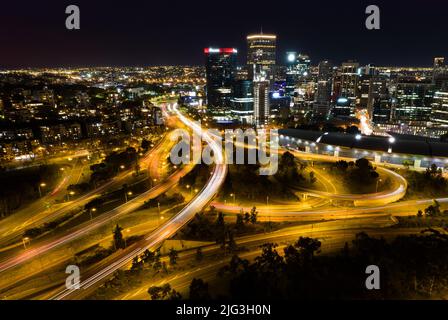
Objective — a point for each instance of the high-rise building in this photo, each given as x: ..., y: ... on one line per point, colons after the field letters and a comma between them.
x: 349, y: 83
x: 439, y: 113
x: 261, y: 51
x: 303, y: 64
x: 439, y: 62
x: 292, y: 72
x: 440, y: 74
x: 414, y: 99
x: 220, y: 73
x: 342, y: 107
x: 322, y: 99
x: 243, y: 100
x: 382, y: 109
x: 371, y: 86
x: 261, y: 97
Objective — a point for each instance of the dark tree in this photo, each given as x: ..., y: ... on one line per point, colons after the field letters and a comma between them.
x: 199, y: 254
x: 118, y: 238
x: 173, y: 255
x: 199, y: 290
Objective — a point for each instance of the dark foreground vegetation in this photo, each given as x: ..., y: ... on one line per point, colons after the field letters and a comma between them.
x: 412, y: 267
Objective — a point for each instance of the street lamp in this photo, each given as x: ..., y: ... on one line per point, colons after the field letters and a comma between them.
x: 24, y: 241
x: 129, y: 193
x: 71, y: 193
x: 122, y: 167
x: 188, y: 187
x: 233, y: 195
x: 153, y: 182
x: 377, y: 182
x: 41, y: 185
x: 90, y: 211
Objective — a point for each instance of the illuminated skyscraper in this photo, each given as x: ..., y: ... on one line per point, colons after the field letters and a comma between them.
x: 243, y: 100
x: 440, y: 74
x: 261, y: 51
x: 220, y: 73
x: 414, y: 98
x: 292, y: 72
x: 261, y: 97
x: 303, y: 64
x: 439, y: 62
x: 439, y: 113
x: 324, y: 86
x: 349, y: 83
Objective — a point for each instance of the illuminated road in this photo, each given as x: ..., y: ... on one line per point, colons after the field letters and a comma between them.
x: 371, y: 199
x: 38, y: 211
x: 333, y: 236
x: 286, y: 212
x: 398, y: 182
x: 168, y: 229
x: 40, y: 215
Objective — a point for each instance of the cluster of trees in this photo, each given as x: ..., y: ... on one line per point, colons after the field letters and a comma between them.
x: 246, y: 181
x: 18, y: 187
x: 203, y: 227
x: 198, y: 291
x: 196, y: 177
x: 431, y: 183
x: 432, y: 211
x: 152, y: 260
x: 414, y: 266
x: 48, y: 226
x: 112, y: 164
x: 359, y: 175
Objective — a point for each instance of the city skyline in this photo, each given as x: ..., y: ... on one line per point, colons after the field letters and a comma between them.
x: 140, y: 36
x: 291, y: 151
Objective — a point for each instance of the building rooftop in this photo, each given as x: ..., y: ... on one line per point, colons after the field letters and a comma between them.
x: 427, y: 147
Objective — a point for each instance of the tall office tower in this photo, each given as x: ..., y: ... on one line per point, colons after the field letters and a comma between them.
x: 440, y: 74
x: 303, y: 64
x: 322, y: 98
x: 261, y: 51
x: 371, y: 86
x: 241, y: 73
x: 414, y: 98
x: 439, y: 113
x: 382, y: 110
x: 243, y: 101
x: 439, y: 62
x: 292, y: 72
x: 261, y: 97
x: 349, y: 83
x: 220, y: 73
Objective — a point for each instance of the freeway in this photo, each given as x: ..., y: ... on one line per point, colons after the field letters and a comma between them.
x: 399, y: 183
x: 83, y: 229
x: 289, y: 211
x: 156, y: 238
x: 333, y: 235
x: 372, y: 199
x: 41, y: 214
x: 37, y: 212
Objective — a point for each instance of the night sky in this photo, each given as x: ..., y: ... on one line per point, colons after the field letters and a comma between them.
x: 173, y: 32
